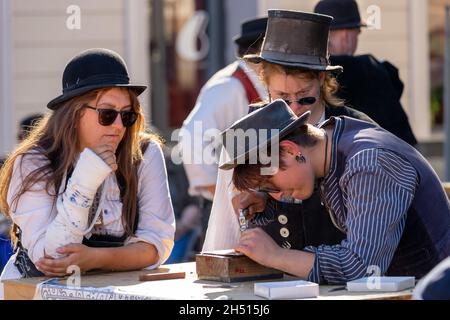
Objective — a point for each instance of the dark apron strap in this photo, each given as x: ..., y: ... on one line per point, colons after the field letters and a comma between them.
x: 104, y: 241
x: 23, y: 262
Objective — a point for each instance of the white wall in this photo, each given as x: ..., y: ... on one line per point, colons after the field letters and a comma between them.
x: 6, y: 109
x: 136, y: 46
x: 236, y: 11
x: 419, y: 69
x: 41, y: 45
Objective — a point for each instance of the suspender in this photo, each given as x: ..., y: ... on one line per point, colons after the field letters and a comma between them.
x: 250, y: 90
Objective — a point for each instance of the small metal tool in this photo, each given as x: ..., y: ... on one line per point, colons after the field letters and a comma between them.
x: 243, y: 222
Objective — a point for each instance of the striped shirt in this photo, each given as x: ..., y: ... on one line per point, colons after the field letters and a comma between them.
x: 369, y: 202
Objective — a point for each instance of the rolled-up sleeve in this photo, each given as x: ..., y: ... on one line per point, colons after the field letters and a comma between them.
x: 156, y: 224
x: 377, y: 197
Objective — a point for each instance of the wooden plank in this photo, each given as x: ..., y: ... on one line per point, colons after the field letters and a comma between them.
x: 227, y: 268
x: 19, y: 291
x: 24, y: 289
x: 162, y: 276
x: 340, y: 293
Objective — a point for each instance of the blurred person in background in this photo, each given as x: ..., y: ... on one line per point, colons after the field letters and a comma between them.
x: 436, y: 284
x: 368, y: 84
x: 27, y: 125
x: 6, y: 247
x: 187, y: 212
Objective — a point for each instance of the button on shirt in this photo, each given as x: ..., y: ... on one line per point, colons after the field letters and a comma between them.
x: 282, y: 219
x: 369, y: 202
x: 284, y: 232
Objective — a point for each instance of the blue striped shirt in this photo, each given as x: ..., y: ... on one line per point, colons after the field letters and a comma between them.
x: 369, y: 202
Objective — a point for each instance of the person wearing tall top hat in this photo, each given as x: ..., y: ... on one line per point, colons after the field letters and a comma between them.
x: 380, y: 192
x: 368, y: 85
x: 222, y: 100
x: 294, y: 66
x: 87, y: 187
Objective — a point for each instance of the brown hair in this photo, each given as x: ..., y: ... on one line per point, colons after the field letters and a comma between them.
x: 53, y: 139
x: 248, y: 176
x: 327, y: 91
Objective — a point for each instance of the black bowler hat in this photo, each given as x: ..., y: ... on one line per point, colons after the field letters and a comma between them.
x: 274, y: 116
x: 345, y: 13
x: 296, y: 39
x: 251, y: 31
x: 93, y: 69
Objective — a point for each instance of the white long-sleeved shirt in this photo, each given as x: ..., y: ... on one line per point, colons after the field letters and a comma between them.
x: 48, y: 227
x: 221, y: 102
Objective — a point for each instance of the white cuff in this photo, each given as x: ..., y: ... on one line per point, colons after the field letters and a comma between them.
x: 90, y: 172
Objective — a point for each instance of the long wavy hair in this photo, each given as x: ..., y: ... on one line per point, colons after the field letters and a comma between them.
x: 55, y: 138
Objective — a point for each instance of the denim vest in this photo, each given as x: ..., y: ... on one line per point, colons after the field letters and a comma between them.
x: 426, y: 236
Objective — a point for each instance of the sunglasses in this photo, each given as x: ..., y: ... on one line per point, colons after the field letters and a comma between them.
x: 303, y: 101
x: 106, y: 117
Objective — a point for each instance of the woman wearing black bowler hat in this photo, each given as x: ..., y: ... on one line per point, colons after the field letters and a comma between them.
x: 88, y: 187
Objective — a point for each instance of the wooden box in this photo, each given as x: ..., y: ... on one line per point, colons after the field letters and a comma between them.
x: 229, y: 266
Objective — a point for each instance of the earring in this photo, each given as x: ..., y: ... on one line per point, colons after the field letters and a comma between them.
x: 300, y: 158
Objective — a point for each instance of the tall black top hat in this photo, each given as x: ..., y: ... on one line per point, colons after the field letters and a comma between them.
x: 269, y: 125
x: 296, y: 39
x: 93, y: 69
x: 345, y: 13
x: 251, y: 31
